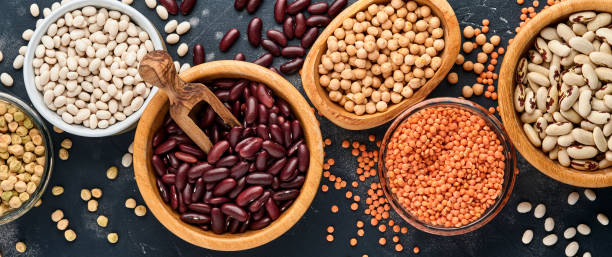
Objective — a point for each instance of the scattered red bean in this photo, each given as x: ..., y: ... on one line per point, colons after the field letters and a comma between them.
x: 318, y: 8
x: 170, y: 5
x: 252, y: 5
x: 297, y: 6
x: 309, y: 37
x: 271, y: 47
x: 280, y: 7
x: 198, y: 54
x: 187, y: 6
x: 300, y: 25
x: 288, y: 27
x: 254, y: 31
x: 317, y: 21
x: 293, y: 51
x: 277, y: 37
x: 336, y: 7
x: 239, y: 57
x: 228, y: 39
x: 240, y: 4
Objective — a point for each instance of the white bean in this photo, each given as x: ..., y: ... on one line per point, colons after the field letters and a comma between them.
x: 550, y: 240
x: 571, y: 249
x: 572, y: 198
x: 6, y: 79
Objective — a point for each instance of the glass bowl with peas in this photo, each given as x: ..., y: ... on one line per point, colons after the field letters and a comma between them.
x: 447, y: 166
x: 26, y: 158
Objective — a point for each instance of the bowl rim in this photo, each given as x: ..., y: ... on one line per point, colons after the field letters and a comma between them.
x: 146, y: 178
x: 28, y: 71
x: 336, y: 113
x: 510, y: 170
x: 44, y: 181
x: 520, y: 45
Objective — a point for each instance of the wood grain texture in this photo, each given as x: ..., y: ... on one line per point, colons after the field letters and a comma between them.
x: 348, y: 120
x: 152, y: 119
x: 511, y: 119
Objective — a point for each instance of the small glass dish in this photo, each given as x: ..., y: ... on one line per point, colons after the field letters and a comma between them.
x: 509, y: 172
x: 44, y: 180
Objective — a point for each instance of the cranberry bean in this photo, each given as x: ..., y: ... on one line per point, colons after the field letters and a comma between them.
x: 187, y: 193
x: 289, y: 171
x: 303, y: 157
x: 264, y: 60
x: 227, y: 161
x: 224, y: 186
x: 166, y: 146
x: 181, y: 177
x: 275, y: 150
x: 215, y: 174
x: 158, y: 137
x: 288, y: 27
x: 251, y: 148
x: 228, y: 40
x: 170, y: 5
x: 238, y: 189
x: 217, y: 221
x: 262, y: 118
x: 240, y: 4
x: 248, y: 195
x: 272, y: 209
x: 187, y: 6
x: 309, y: 37
x: 336, y: 7
x: 200, y: 208
x: 163, y: 192
x: 292, y: 65
x: 217, y: 200
x: 276, y: 167
x: 191, y: 149
x: 259, y: 178
x: 169, y: 179
x: 174, y: 202
x: 199, y: 55
x: 195, y: 218
x: 285, y: 195
x: 250, y: 112
x: 198, y: 190
x: 318, y: 21
x: 261, y: 161
x: 296, y: 129
x: 286, y: 126
x: 318, y: 8
x: 234, y: 135
x: 234, y: 211
x: 254, y: 31
x: 239, y: 57
x: 300, y: 25
x: 297, y: 6
x: 196, y: 170
x: 252, y: 5
x: 185, y: 157
x: 293, y: 51
x: 259, y: 202
x: 277, y: 36
x: 297, y: 182
x: 158, y: 165
x: 271, y: 47
x: 217, y: 150
x: 259, y: 224
x: 280, y: 7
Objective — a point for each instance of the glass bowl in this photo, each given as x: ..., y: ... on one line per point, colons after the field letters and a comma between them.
x: 44, y: 180
x: 510, y: 170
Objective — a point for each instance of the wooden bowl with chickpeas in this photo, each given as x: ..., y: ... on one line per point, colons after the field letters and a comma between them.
x: 378, y: 58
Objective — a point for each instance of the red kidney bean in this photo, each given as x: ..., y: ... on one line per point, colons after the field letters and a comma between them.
x: 208, y: 194
x: 234, y: 226
x: 236, y: 91
x: 228, y: 39
x: 187, y: 6
x: 262, y: 130
x: 309, y: 37
x: 277, y: 133
x: 336, y: 7
x: 251, y: 148
x: 181, y: 177
x: 259, y: 178
x: 163, y: 192
x: 261, y: 161
x: 238, y: 189
x: 182, y: 207
x: 169, y: 179
x: 297, y: 182
x: 174, y: 162
x: 234, y: 211
x: 224, y: 186
x: 172, y: 128
x: 187, y: 193
x: 195, y: 218
x: 185, y: 157
x: 217, y: 150
x: 228, y: 161
x: 264, y: 60
x: 284, y: 108
x: 275, y: 150
x: 285, y: 195
x: 166, y: 146
x: 286, y: 205
x: 174, y: 198
x: 217, y: 221
x: 288, y: 27
x: 217, y: 200
x: 200, y: 208
x: 234, y: 135
x: 297, y: 6
x: 289, y: 171
x: 208, y: 117
x: 254, y: 31
x: 276, y: 167
x: 264, y: 96
x: 224, y: 83
x: 292, y: 66
x: 318, y: 8
x: 239, y: 169
x: 275, y: 183
x: 158, y: 137
x: 300, y: 25
x: 271, y: 47
x: 190, y: 149
x: 252, y: 5
x: 277, y: 36
x: 293, y: 51
x: 259, y: 224
x: 294, y: 147
x: 215, y: 174
x: 199, y: 55
x: 170, y: 5
x: 262, y: 118
x: 196, y: 170
x: 223, y: 95
x: 286, y: 126
x: 259, y: 202
x: 303, y: 157
x: 158, y: 165
x: 198, y: 190
x: 296, y: 129
x: 318, y: 21
x: 248, y: 195
x: 272, y: 209
x: 250, y: 113
x: 240, y: 4
x: 239, y: 57
x: 280, y: 7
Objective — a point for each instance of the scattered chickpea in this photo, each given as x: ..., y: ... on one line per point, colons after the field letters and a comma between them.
x: 460, y: 59
x: 330, y: 238
x: 62, y: 224
x: 21, y: 247
x: 57, y: 130
x: 112, y: 238
x: 478, y: 88
x: 478, y: 68
x: 467, y: 91
x: 66, y: 143
x: 468, y: 47
x: 482, y: 57
x: 488, y: 48
x: 63, y: 154
x: 468, y: 32
x: 96, y: 192
x: 481, y: 39
x: 92, y: 205
x: 85, y: 194
x: 495, y: 40
x: 468, y: 66
x: 353, y: 241
x: 102, y: 221
x: 70, y: 235
x: 57, y: 190
x: 111, y: 173
x: 140, y: 210
x: 453, y: 78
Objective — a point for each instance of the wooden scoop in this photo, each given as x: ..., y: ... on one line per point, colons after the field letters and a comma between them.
x: 157, y: 69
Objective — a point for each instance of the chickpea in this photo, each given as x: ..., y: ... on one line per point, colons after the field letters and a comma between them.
x: 495, y: 40
x: 467, y: 91
x: 468, y: 47
x: 468, y: 65
x: 468, y: 32
x: 396, y: 97
x: 349, y: 106
x: 370, y: 107
x: 481, y: 39
x: 453, y: 78
x: 359, y: 109
x: 488, y: 48
x: 482, y: 57
x: 478, y: 88
x: 478, y: 68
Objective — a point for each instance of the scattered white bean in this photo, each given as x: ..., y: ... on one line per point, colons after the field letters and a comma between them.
x: 6, y: 79
x: 183, y: 27
x: 571, y: 249
x: 34, y: 10
x: 583, y: 229
x: 171, y: 26
x: 572, y: 198
x: 151, y: 3
x: 569, y: 233
x: 523, y: 207
x: 603, y: 219
x: 549, y: 224
x: 126, y: 160
x: 590, y: 194
x: 549, y: 240
x: 172, y: 39
x: 527, y: 236
x: 162, y: 12
x: 539, y: 211
x: 182, y: 49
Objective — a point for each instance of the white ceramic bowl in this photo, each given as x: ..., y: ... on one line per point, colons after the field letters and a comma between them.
x: 36, y: 96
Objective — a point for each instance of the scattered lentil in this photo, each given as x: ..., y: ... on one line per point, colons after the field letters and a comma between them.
x: 62, y: 224
x: 92, y: 205
x: 140, y: 210
x: 70, y: 235
x: 21, y: 247
x: 96, y: 192
x: 111, y: 173
x: 112, y: 238
x: 102, y: 221
x: 57, y: 190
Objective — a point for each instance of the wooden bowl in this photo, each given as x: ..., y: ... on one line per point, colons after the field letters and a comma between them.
x: 152, y: 119
x: 348, y: 120
x: 511, y: 119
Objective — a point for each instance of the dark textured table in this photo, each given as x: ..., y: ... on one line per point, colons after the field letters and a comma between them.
x: 140, y: 236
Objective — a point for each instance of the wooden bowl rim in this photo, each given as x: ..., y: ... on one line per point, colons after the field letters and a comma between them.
x: 145, y: 177
x: 511, y: 120
x: 336, y: 113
